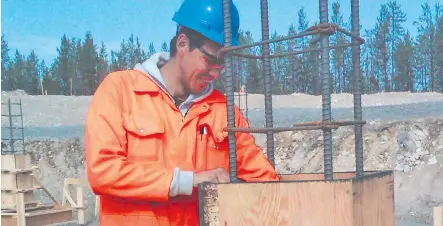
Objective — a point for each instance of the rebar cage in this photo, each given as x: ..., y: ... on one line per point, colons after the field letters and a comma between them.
x: 9, y: 135
x: 322, y: 32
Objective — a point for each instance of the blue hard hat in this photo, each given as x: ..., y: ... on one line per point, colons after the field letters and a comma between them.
x: 206, y: 17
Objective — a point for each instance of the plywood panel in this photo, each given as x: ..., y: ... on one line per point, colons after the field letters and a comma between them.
x: 356, y: 201
x: 374, y: 200
x: 279, y: 204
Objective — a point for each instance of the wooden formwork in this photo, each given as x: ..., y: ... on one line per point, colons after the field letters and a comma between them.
x: 18, y: 204
x: 302, y: 200
x: 438, y: 216
x: 16, y: 170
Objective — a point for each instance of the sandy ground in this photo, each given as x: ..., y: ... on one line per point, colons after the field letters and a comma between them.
x: 400, y: 135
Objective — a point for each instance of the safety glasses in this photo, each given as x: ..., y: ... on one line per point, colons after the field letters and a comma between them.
x: 212, y: 61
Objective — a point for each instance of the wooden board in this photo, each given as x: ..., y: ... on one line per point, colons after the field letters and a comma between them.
x: 13, y: 179
x: 438, y: 216
x: 367, y: 200
x: 43, y: 217
x: 8, y: 181
x: 24, y: 180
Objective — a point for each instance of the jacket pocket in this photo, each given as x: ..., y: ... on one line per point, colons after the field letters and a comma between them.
x: 144, y: 139
x: 217, y: 148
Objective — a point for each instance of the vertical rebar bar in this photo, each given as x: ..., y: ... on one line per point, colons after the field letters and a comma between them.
x: 355, y: 14
x: 230, y: 90
x: 246, y: 102
x: 245, y: 61
x: 268, y: 81
x: 11, y: 132
x: 326, y: 96
x: 22, y: 128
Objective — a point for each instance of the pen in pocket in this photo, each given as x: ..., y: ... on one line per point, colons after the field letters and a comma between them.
x: 203, y: 131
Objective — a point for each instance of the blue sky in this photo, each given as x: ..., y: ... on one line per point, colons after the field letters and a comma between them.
x: 39, y: 24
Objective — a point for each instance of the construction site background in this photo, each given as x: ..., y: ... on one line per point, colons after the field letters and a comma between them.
x: 404, y: 133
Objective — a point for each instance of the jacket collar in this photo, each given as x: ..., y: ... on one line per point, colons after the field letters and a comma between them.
x: 147, y: 84
x: 144, y: 84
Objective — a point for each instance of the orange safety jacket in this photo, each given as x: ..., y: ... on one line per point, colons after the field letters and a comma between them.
x: 141, y: 148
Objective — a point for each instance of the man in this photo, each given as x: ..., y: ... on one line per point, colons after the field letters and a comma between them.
x: 155, y: 132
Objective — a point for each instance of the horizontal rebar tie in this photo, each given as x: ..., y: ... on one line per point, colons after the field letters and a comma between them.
x: 324, y: 28
x: 317, y: 125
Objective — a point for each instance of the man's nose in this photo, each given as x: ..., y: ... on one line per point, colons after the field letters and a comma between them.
x: 215, y: 73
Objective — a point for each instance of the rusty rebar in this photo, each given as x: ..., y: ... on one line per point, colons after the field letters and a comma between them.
x: 308, y: 50
x: 268, y: 81
x: 350, y: 34
x: 293, y: 53
x: 225, y: 50
x: 326, y: 95
x: 358, y: 130
x: 316, y: 125
x: 338, y: 123
x: 324, y: 28
x: 230, y: 91
x: 278, y: 129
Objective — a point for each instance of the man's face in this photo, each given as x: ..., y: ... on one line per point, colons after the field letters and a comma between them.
x: 201, y: 66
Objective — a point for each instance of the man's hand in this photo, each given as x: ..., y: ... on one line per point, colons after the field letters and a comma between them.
x: 219, y: 175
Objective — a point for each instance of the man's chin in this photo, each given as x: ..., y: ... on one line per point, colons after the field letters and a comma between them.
x: 200, y: 88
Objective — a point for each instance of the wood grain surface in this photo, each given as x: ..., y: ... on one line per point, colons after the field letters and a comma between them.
x: 362, y: 201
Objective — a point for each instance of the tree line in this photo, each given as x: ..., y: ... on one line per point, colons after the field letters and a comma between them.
x: 391, y: 59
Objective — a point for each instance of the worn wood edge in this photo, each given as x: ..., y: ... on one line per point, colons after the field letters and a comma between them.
x: 367, y: 175
x: 320, y: 176
x: 208, y: 204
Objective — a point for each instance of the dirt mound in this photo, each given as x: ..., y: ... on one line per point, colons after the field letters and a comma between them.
x: 414, y: 149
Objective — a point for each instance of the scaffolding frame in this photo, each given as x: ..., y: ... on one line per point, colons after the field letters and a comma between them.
x: 324, y: 30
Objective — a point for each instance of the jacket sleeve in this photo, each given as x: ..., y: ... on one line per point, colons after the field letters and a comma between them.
x: 109, y: 171
x: 253, y: 166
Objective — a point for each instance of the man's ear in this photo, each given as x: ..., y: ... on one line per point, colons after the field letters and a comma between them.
x: 182, y: 43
